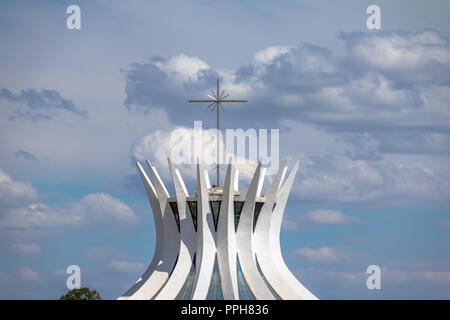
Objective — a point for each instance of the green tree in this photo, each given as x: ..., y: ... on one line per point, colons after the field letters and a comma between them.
x: 81, y: 294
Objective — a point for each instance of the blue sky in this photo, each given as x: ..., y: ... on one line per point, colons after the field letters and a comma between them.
x: 366, y: 112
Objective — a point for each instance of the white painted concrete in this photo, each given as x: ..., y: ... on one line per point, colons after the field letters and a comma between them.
x: 226, y: 239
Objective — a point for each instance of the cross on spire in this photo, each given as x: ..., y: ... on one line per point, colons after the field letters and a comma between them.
x: 217, y: 98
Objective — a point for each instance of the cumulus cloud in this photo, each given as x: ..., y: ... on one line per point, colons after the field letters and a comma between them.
x: 330, y: 217
x: 21, y: 210
x: 323, y: 254
x: 40, y: 105
x: 372, y: 90
x: 97, y: 209
x: 168, y: 83
x: 343, y: 268
x: 338, y: 178
x: 181, y: 145
x: 26, y: 248
x: 37, y: 215
x: 182, y: 67
x: 102, y: 208
x: 395, y: 284
x: 29, y: 274
x: 371, y: 102
x: 15, y: 193
x: 353, y: 177
x: 420, y: 272
x: 316, y: 218
x: 127, y: 266
x: 115, y: 260
x: 267, y: 55
x: 424, y: 56
x: 331, y: 255
x: 399, y: 276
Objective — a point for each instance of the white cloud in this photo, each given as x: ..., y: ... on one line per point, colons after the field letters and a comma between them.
x: 393, y: 51
x: 178, y: 144
x: 238, y: 89
x: 351, y: 110
x: 182, y: 67
x: 95, y: 209
x: 268, y: 54
x: 401, y: 276
x: 102, y: 208
x: 378, y: 90
x: 333, y: 277
x: 38, y: 215
x: 315, y: 218
x: 13, y: 193
x: 327, y: 175
x: 290, y: 223
x: 395, y: 283
x: 330, y: 217
x: 114, y: 259
x: 26, y: 248
x: 29, y: 274
x: 337, y: 178
x: 332, y: 255
x: 323, y: 254
x: 436, y: 276
x: 127, y: 266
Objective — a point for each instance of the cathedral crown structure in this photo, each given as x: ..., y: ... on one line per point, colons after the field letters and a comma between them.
x: 217, y: 243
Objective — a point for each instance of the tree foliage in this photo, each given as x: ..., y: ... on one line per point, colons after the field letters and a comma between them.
x: 81, y: 294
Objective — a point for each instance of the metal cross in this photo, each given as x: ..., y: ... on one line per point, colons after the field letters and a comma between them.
x: 215, y: 103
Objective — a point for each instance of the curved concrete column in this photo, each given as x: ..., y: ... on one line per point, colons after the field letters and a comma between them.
x: 268, y: 266
x: 206, y: 247
x: 171, y: 243
x: 244, y: 240
x: 157, y: 216
x: 187, y: 237
x: 226, y: 240
x: 274, y: 239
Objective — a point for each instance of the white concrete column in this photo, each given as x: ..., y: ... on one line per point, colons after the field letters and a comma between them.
x: 187, y: 237
x: 171, y: 243
x: 274, y: 239
x: 206, y: 247
x: 244, y: 240
x: 267, y: 264
x: 157, y: 216
x: 226, y: 240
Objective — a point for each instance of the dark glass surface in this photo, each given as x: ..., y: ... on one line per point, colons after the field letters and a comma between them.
x: 244, y: 291
x: 237, y: 212
x: 258, y: 206
x: 215, y: 289
x: 215, y: 209
x: 193, y: 209
x: 174, y: 207
x: 185, y: 292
